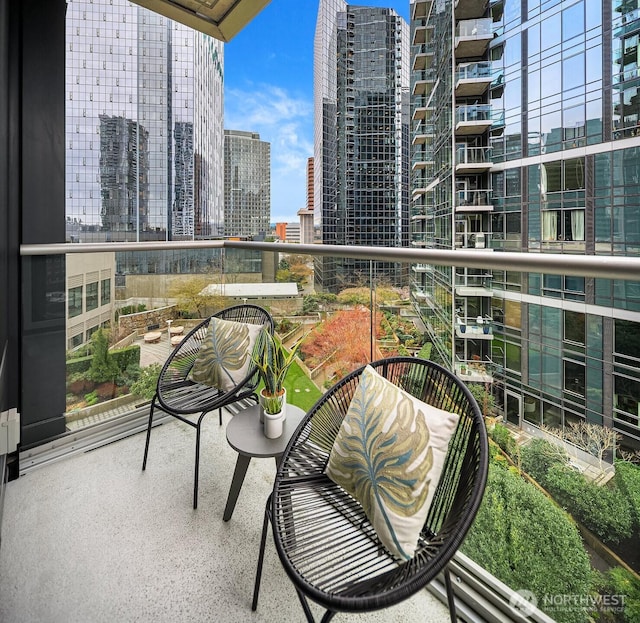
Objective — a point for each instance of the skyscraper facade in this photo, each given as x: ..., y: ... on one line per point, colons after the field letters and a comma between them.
x: 144, y: 126
x: 361, y: 151
x: 247, y: 184
x: 526, y: 139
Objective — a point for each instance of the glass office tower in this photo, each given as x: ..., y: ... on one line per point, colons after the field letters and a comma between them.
x: 361, y: 152
x: 144, y: 126
x: 247, y: 184
x: 525, y: 138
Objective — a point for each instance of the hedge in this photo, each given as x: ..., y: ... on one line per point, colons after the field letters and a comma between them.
x: 603, y: 510
x: 627, y: 479
x: 526, y: 541
x: 123, y: 358
x: 78, y: 365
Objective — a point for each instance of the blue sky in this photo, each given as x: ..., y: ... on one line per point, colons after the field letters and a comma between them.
x: 269, y: 89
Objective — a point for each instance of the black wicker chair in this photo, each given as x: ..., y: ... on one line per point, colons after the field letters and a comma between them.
x: 184, y: 399
x: 326, y: 544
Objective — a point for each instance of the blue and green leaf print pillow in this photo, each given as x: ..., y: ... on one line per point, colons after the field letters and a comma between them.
x: 225, y: 354
x: 389, y: 454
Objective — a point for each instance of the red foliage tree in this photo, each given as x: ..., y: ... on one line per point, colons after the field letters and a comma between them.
x: 344, y: 340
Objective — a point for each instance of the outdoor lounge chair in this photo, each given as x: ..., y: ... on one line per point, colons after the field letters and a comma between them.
x: 189, y: 401
x: 325, y: 542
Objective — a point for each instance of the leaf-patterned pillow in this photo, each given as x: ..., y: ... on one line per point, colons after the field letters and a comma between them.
x: 225, y: 354
x: 389, y: 454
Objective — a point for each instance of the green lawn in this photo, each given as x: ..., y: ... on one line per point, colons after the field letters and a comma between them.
x: 301, y: 391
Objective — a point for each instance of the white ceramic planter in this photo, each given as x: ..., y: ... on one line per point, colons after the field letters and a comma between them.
x: 281, y: 415
x: 273, y: 425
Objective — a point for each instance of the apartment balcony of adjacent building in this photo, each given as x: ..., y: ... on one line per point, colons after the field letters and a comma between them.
x: 469, y: 9
x: 471, y: 160
x: 474, y: 371
x: 423, y: 133
x: 423, y: 81
x: 473, y: 79
x: 473, y: 37
x: 474, y: 328
x: 473, y: 119
x: 422, y: 108
x: 473, y: 200
x: 420, y: 9
x: 473, y: 241
x: 473, y: 283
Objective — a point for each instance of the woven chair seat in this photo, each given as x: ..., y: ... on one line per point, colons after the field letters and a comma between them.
x: 326, y: 544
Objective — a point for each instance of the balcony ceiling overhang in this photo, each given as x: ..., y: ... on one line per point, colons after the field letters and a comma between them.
x: 221, y: 19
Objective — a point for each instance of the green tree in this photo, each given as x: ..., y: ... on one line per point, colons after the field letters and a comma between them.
x: 190, y: 299
x: 526, y: 541
x: 102, y: 368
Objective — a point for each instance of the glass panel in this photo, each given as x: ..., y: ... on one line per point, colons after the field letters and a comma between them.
x: 574, y: 323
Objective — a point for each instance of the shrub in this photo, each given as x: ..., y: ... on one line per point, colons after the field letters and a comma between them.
x: 125, y: 357
x: 145, y: 386
x: 526, y: 541
x: 78, y: 366
x: 603, y: 510
x: 619, y: 581
x: 627, y: 479
x: 539, y: 455
x: 501, y: 435
x: 91, y: 398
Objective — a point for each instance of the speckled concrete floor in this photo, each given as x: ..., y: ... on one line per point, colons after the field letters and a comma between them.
x: 93, y: 539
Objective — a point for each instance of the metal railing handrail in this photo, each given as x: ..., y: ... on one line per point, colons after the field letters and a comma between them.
x: 598, y: 266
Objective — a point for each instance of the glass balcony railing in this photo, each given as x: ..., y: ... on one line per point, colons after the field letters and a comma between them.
x: 122, y: 308
x: 475, y: 28
x: 475, y: 112
x: 473, y: 155
x: 474, y: 71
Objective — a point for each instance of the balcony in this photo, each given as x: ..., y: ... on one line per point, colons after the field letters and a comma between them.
x: 423, y: 33
x: 423, y: 82
x: 469, y: 9
x: 479, y: 241
x: 91, y: 510
x: 473, y: 201
x: 420, y: 9
x: 472, y: 160
x: 473, y: 119
x: 473, y: 79
x: 474, y: 328
x: 93, y: 538
x: 473, y: 37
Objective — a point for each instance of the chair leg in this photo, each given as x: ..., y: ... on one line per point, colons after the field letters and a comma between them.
x: 263, y: 540
x: 220, y: 415
x: 146, y: 445
x: 450, y: 595
x: 197, y: 467
x: 307, y: 610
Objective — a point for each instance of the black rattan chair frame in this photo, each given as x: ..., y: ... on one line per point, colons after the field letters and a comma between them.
x: 327, y: 546
x: 190, y: 402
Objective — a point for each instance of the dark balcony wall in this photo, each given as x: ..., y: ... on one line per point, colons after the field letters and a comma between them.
x: 8, y: 232
x: 41, y: 156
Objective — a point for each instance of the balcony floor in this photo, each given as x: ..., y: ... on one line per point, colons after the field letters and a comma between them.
x: 92, y: 538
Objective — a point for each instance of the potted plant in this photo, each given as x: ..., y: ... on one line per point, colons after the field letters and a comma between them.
x: 273, y: 362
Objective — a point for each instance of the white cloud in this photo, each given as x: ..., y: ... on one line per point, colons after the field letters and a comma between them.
x: 286, y: 121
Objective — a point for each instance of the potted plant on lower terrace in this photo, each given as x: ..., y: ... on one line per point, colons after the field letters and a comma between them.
x: 273, y: 362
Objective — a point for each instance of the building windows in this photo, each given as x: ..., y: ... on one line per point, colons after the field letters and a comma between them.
x: 92, y: 296
x: 559, y: 225
x: 74, y: 300
x: 105, y: 292
x: 574, y: 377
x: 574, y: 325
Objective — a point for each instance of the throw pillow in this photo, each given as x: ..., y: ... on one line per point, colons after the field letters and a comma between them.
x: 224, y: 358
x: 389, y: 454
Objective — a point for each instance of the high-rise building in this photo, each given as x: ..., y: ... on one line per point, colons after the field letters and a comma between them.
x: 525, y: 139
x: 307, y: 229
x: 144, y: 128
x: 361, y: 150
x: 247, y: 184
